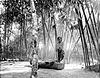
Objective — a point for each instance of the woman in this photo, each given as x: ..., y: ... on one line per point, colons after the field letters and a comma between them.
x: 60, y: 50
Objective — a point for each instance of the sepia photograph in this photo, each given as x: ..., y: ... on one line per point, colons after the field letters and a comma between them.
x: 49, y: 38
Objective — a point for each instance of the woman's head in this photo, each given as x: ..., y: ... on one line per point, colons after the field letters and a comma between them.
x: 59, y: 39
x: 35, y: 43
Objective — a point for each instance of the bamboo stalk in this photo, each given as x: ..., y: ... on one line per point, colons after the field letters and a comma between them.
x: 89, y: 44
x: 98, y: 42
x: 84, y: 39
x: 89, y: 29
x: 43, y: 25
x: 96, y: 28
x: 78, y: 39
x: 25, y: 40
x: 81, y: 36
x: 55, y: 38
x: 95, y: 33
x: 82, y: 45
x: 5, y: 26
x: 49, y: 35
x: 94, y: 20
x: 93, y: 25
x: 98, y: 33
x: 85, y: 45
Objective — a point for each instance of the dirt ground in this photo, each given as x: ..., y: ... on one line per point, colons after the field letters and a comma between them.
x: 23, y: 70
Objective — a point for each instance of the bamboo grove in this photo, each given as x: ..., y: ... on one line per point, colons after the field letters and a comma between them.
x: 31, y: 10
